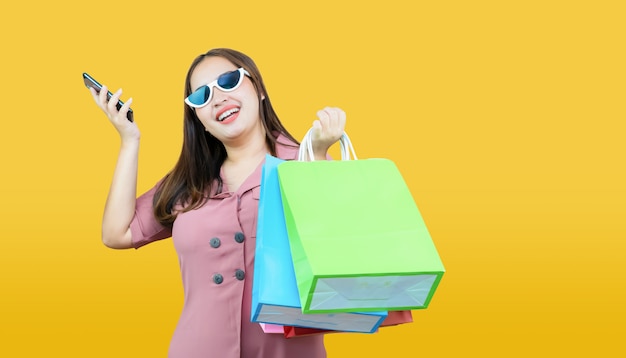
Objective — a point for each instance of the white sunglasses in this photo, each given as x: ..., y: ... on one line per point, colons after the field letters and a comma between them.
x: 226, y: 82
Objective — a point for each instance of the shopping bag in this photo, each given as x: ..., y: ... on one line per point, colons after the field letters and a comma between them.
x: 394, y: 318
x: 275, y: 297
x: 293, y: 332
x: 357, y: 238
x: 272, y: 328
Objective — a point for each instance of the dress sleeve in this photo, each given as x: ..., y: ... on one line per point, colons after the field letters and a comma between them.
x: 145, y: 228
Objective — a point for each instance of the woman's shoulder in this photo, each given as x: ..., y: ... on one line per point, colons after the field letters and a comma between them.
x: 286, y: 148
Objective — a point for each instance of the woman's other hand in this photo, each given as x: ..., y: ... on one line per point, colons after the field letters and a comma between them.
x: 327, y: 130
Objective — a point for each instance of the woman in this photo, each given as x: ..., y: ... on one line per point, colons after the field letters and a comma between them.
x: 208, y: 203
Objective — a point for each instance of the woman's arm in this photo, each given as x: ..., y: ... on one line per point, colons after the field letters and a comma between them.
x: 120, y: 204
x: 119, y: 209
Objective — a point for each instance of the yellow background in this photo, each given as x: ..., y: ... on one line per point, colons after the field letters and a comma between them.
x: 506, y: 118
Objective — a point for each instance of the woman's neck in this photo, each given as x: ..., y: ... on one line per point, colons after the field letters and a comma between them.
x: 241, y: 161
x: 246, y: 150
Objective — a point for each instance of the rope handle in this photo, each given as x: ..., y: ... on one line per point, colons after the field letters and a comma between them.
x: 306, y: 147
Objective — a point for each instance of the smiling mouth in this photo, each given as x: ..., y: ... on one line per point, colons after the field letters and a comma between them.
x: 227, y: 114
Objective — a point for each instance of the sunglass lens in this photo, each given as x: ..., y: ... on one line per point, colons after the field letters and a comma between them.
x: 200, y: 96
x: 229, y: 80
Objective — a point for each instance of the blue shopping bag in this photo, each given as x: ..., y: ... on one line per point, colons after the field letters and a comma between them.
x: 275, y: 297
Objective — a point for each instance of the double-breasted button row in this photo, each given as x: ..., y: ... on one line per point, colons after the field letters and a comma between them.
x: 239, y: 275
x: 215, y: 242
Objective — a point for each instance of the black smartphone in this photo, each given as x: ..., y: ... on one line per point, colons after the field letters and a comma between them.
x: 91, y: 82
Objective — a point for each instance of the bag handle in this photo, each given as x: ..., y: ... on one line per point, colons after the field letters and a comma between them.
x: 306, y: 147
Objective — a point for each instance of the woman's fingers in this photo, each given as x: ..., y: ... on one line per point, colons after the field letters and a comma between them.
x: 112, y: 103
x: 332, y: 122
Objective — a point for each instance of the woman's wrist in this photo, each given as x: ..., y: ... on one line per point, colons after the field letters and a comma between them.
x: 320, y: 155
x: 130, y: 143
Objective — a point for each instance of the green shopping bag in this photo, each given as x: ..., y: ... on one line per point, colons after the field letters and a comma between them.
x: 357, y: 239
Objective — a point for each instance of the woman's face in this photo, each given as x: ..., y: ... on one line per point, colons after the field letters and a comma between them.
x: 229, y: 116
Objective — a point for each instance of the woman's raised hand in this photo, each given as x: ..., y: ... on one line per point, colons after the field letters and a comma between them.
x: 127, y: 130
x: 327, y: 130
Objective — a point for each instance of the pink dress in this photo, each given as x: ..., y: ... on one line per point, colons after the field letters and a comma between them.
x: 215, y: 245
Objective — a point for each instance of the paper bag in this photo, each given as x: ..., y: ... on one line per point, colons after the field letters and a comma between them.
x: 357, y: 239
x: 274, y: 292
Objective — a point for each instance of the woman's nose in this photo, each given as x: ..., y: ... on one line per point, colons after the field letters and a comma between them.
x: 219, y: 97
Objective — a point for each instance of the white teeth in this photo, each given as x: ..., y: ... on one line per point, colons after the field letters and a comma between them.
x: 227, y: 113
